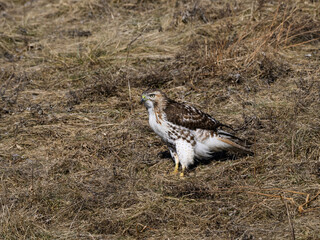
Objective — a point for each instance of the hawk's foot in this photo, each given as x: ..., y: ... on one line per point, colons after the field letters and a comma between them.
x: 176, y: 170
x: 182, y: 172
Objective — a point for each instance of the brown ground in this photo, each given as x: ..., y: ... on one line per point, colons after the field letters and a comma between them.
x: 78, y: 159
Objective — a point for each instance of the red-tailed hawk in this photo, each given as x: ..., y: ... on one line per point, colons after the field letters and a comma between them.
x: 188, y: 132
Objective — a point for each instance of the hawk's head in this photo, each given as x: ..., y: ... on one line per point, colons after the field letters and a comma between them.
x: 153, y: 98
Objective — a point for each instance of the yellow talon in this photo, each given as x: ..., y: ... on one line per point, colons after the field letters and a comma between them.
x: 182, y: 172
x: 175, y: 171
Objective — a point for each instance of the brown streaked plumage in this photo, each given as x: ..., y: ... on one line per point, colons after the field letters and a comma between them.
x: 189, y: 117
x: 188, y: 131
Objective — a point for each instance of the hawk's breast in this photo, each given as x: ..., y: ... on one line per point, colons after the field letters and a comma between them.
x: 158, y: 125
x: 168, y: 131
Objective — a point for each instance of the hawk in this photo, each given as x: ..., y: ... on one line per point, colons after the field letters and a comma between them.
x: 188, y: 132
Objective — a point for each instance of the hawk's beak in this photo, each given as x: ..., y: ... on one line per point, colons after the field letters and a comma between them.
x: 143, y: 99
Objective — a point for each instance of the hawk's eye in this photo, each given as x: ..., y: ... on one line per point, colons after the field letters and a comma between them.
x: 152, y: 95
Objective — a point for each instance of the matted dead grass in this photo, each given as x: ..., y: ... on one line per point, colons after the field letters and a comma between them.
x: 78, y: 159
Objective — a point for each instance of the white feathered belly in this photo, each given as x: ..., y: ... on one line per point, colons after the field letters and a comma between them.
x: 158, y: 126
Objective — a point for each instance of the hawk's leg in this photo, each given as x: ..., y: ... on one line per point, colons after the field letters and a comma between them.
x: 185, y: 152
x: 174, y: 155
x: 182, y: 172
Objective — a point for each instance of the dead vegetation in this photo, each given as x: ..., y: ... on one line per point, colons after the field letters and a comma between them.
x: 78, y: 159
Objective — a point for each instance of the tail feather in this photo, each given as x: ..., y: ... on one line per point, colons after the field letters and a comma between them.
x: 224, y: 141
x: 235, y: 138
x: 234, y: 147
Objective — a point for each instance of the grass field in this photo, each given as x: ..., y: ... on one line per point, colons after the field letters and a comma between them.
x: 78, y: 159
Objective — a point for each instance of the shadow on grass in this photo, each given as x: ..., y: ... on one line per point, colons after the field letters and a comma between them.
x: 217, y: 157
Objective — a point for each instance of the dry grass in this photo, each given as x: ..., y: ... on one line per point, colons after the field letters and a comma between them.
x: 78, y: 159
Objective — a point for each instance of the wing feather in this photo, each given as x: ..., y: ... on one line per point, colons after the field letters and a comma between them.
x: 189, y: 117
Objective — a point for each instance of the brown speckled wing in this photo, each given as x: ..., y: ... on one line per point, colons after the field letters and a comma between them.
x: 189, y: 117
